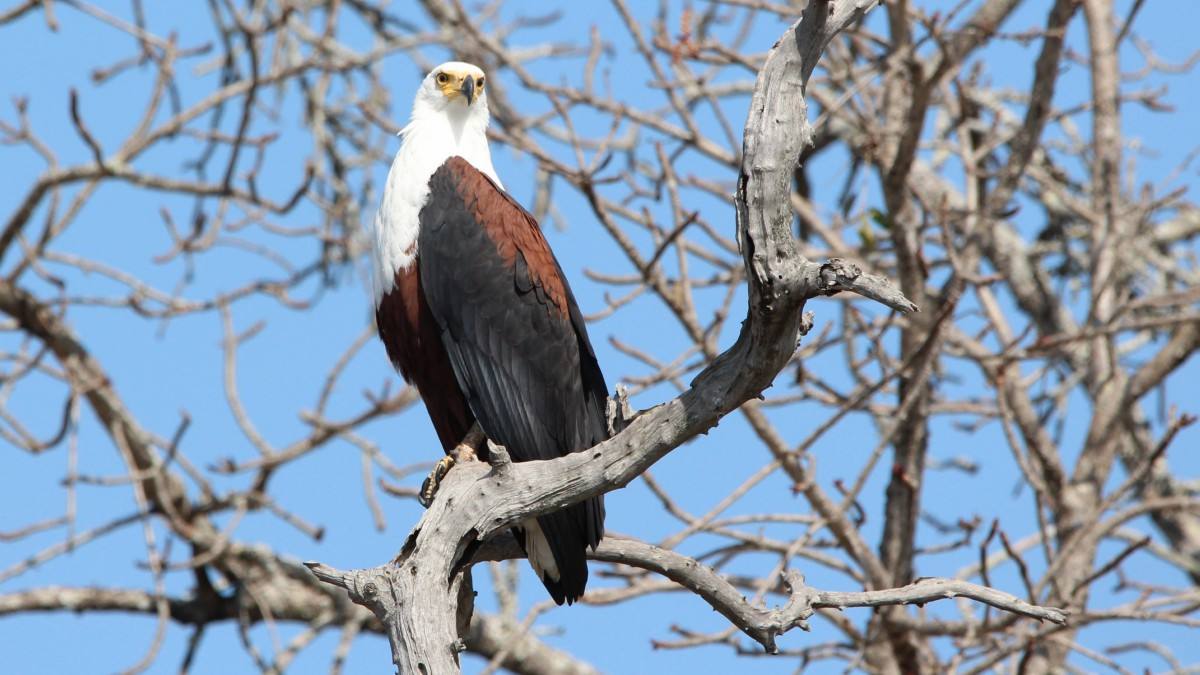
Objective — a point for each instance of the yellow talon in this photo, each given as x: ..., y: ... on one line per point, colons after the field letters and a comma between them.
x: 430, y: 485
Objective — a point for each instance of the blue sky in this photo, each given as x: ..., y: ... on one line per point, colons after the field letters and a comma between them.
x: 163, y: 370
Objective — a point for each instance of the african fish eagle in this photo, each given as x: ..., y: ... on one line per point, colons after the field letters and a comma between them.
x: 475, y: 311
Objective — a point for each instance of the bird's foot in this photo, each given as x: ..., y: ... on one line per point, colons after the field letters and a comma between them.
x: 466, y: 451
x: 434, y: 479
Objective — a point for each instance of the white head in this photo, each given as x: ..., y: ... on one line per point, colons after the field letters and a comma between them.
x: 456, y: 91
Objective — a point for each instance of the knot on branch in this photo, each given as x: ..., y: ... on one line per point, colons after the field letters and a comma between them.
x: 365, y: 587
x: 617, y: 410
x: 794, y: 614
x: 806, y: 322
x: 838, y: 274
x: 499, y: 459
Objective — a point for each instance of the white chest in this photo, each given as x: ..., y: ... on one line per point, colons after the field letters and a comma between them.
x: 427, y: 145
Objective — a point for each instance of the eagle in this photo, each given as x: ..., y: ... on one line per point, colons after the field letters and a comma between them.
x: 475, y: 311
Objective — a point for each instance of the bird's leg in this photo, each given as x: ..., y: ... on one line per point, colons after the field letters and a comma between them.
x: 469, y: 448
x: 465, y: 451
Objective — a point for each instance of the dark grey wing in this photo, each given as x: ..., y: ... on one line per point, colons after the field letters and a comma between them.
x: 516, y: 341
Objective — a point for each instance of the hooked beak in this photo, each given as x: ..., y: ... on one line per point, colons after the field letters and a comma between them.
x: 468, y: 89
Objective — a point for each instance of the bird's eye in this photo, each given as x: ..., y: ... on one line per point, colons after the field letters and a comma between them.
x: 479, y: 83
x: 442, y: 78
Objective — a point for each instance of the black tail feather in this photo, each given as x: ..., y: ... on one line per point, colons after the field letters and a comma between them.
x: 570, y: 533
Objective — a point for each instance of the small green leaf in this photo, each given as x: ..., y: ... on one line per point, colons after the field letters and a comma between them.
x: 880, y: 218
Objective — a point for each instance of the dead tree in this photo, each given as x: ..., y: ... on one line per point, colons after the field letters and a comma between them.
x: 182, y: 228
